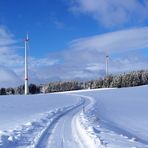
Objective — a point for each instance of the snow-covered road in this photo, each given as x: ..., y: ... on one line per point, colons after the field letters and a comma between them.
x: 57, y: 128
x: 62, y: 135
x: 59, y: 134
x: 67, y: 130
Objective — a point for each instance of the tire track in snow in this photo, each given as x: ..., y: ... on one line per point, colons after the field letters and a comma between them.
x: 43, y: 140
x: 99, y: 133
x: 83, y: 132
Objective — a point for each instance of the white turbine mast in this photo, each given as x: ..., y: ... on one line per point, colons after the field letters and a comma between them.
x: 107, y: 64
x: 26, y: 63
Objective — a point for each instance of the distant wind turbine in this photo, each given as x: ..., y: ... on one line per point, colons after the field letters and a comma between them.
x: 107, y: 64
x: 26, y: 63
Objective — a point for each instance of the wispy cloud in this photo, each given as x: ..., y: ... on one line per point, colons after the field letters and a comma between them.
x: 8, y: 77
x: 83, y: 59
x: 8, y: 59
x: 113, y: 12
x: 119, y: 41
x: 12, y: 64
x: 6, y: 38
x: 57, y: 22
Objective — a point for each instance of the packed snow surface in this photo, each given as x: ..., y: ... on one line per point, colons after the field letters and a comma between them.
x: 114, y: 118
x: 120, y: 116
x: 16, y: 110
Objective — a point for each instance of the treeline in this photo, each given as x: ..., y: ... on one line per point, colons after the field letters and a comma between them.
x: 131, y: 79
x: 33, y: 89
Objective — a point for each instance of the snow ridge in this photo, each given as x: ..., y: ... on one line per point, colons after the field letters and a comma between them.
x: 31, y: 134
x: 96, y: 132
x: 42, y: 140
x: 82, y: 129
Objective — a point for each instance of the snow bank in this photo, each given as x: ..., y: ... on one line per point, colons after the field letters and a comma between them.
x: 17, y: 110
x: 82, y: 130
x: 23, y: 119
x: 119, y: 116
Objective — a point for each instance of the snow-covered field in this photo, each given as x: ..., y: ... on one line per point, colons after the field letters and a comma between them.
x: 113, y: 118
x: 120, y: 116
x: 24, y: 118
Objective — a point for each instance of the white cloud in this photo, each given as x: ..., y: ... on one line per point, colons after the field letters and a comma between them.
x: 8, y: 59
x: 12, y: 64
x: 6, y: 38
x: 119, y: 41
x: 83, y: 59
x: 8, y: 78
x: 56, y: 21
x: 113, y: 12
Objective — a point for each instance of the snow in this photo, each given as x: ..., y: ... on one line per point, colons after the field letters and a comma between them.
x: 24, y: 118
x: 119, y: 116
x: 83, y: 138
x: 16, y: 110
x: 113, y: 118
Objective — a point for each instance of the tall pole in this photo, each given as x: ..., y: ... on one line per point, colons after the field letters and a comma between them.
x: 26, y: 63
x: 107, y: 60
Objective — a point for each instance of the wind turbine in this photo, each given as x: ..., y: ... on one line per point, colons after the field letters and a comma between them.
x: 26, y: 63
x: 107, y: 62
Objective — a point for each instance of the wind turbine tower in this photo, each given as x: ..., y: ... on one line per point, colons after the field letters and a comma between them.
x: 107, y: 62
x: 26, y: 64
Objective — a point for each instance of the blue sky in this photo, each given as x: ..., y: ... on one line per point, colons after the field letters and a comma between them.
x: 49, y: 22
x: 69, y: 39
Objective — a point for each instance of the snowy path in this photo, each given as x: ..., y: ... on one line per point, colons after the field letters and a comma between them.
x: 60, y: 127
x: 37, y: 133
x: 62, y: 135
x: 59, y: 134
x: 67, y: 130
